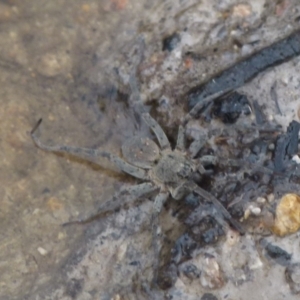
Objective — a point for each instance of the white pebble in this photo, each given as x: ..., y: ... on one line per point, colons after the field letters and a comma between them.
x: 261, y: 200
x: 42, y: 251
x: 296, y: 159
x: 255, y: 210
x: 270, y: 198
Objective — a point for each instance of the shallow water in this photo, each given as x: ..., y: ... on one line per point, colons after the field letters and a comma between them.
x: 47, y: 56
x: 58, y: 61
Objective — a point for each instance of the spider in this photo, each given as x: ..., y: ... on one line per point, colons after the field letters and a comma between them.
x: 167, y: 171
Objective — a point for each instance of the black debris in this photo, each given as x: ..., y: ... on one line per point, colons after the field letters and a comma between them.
x: 278, y: 254
x: 171, y: 42
x: 280, y: 151
x: 190, y: 271
x: 274, y: 97
x: 260, y: 117
x: 205, y: 225
x: 229, y: 109
x: 208, y: 296
x: 286, y: 145
x: 207, y: 231
x: 183, y: 248
x: 200, y: 213
x: 167, y: 276
x: 191, y: 200
x: 293, y: 132
x: 245, y: 70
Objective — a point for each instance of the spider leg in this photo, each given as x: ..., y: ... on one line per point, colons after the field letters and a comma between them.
x: 201, y: 104
x: 139, y: 190
x: 160, y: 199
x: 118, y: 201
x: 158, y: 131
x: 180, y: 145
x: 208, y: 160
x: 196, y: 146
x: 90, y: 155
x: 209, y: 197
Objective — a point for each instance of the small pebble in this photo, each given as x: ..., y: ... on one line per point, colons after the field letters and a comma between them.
x: 287, y: 219
x: 116, y: 297
x: 170, y: 42
x: 254, y: 210
x: 53, y: 64
x: 271, y: 147
x: 211, y: 276
x: 296, y: 159
x: 42, y: 251
x: 121, y: 252
x: 61, y: 236
x: 241, y: 10
x: 270, y: 198
x: 261, y: 200
x: 247, y: 214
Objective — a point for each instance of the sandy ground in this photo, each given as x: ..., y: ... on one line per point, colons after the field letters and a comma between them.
x: 70, y: 62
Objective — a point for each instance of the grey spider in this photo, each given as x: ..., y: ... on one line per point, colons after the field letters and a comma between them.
x: 163, y: 169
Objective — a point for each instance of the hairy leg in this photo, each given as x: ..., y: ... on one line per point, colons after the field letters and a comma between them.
x: 160, y: 199
x: 158, y: 131
x: 90, y: 155
x: 201, y: 104
x: 124, y: 197
x: 180, y: 145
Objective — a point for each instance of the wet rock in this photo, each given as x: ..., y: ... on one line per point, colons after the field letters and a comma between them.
x: 287, y: 218
x: 278, y: 254
x: 170, y: 42
x: 292, y: 275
